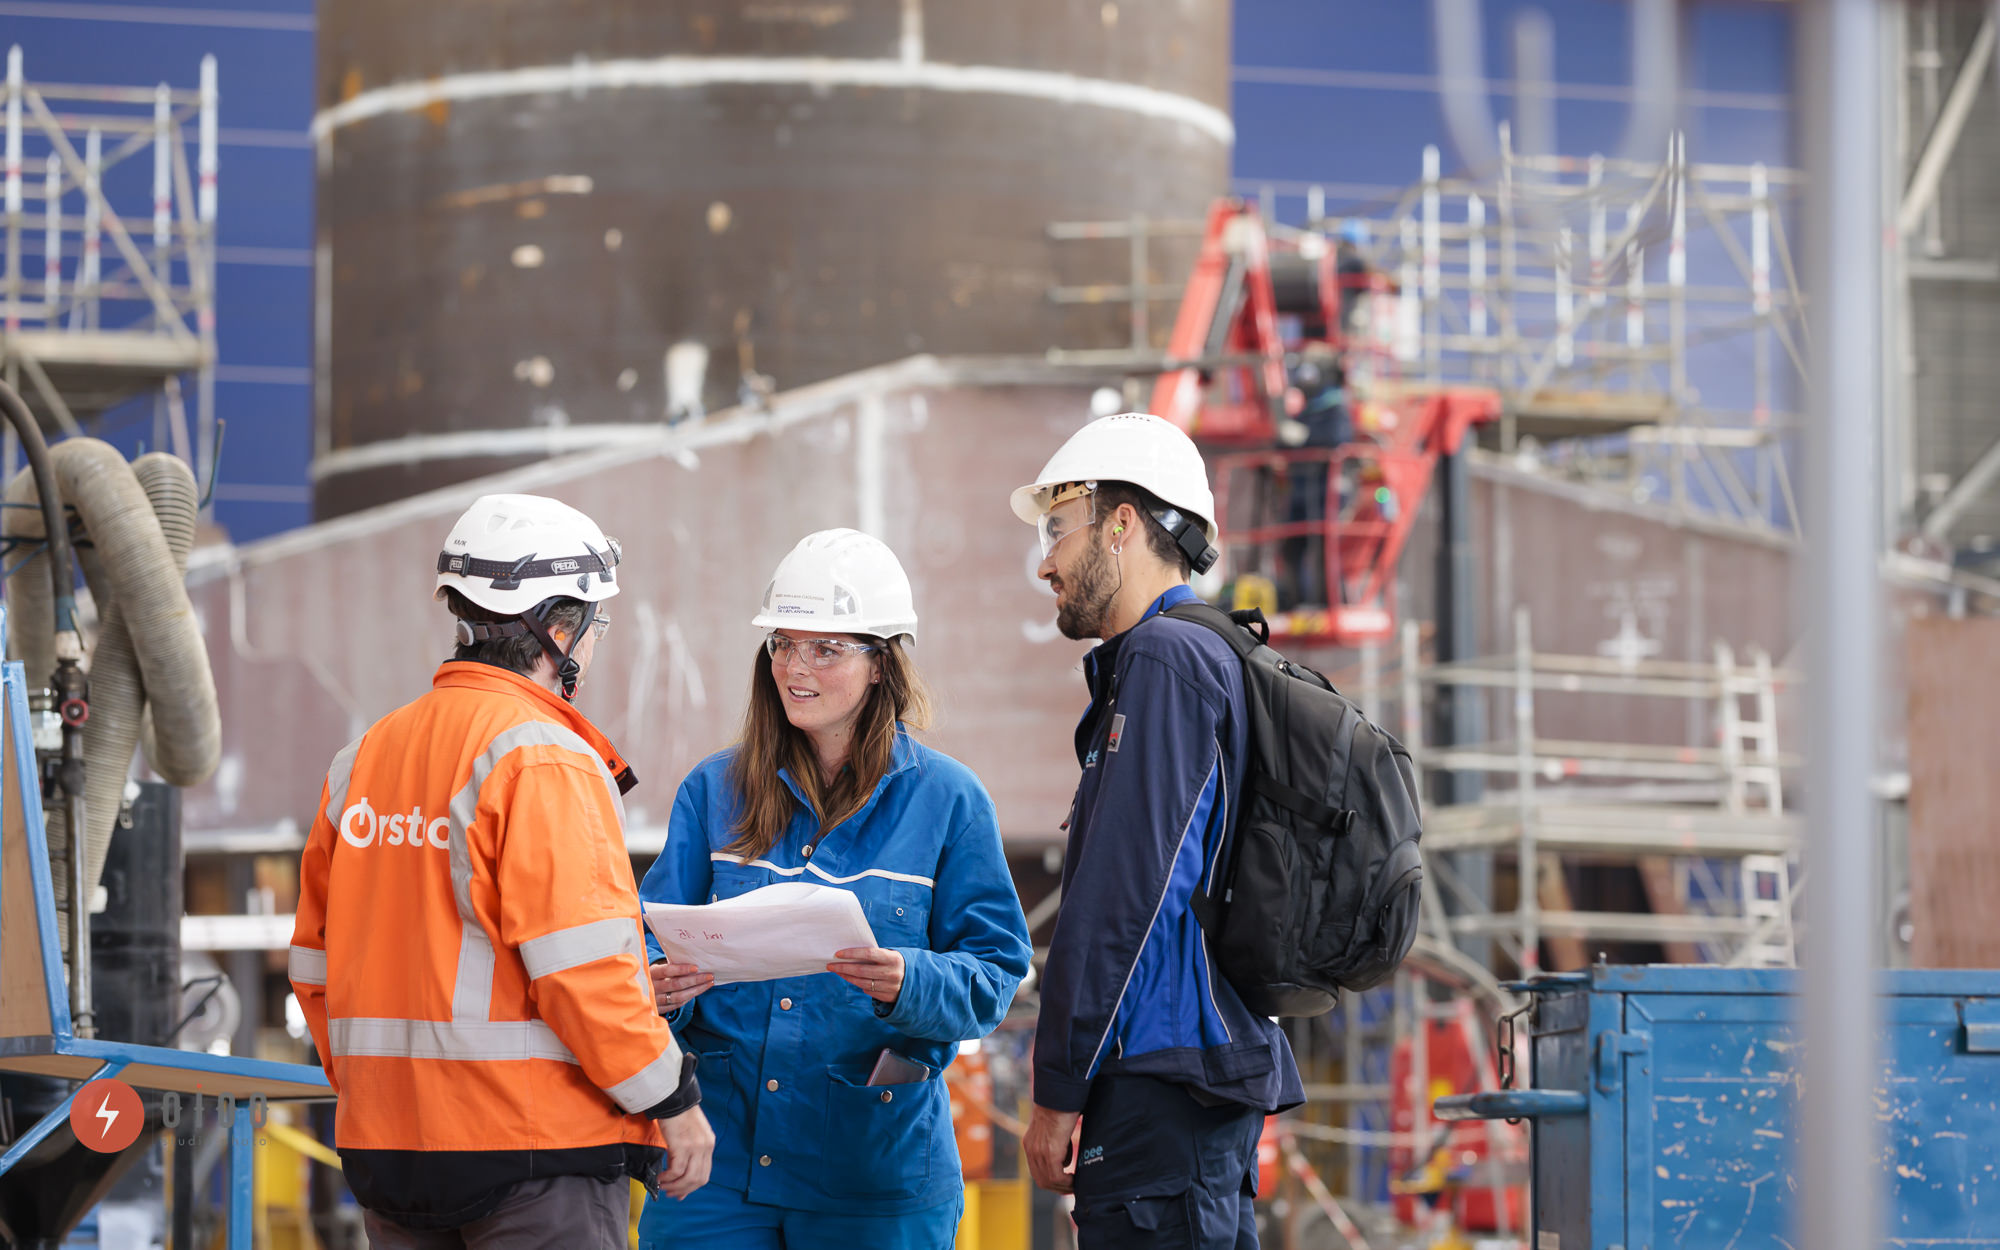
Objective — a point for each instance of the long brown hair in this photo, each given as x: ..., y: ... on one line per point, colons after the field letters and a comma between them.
x: 770, y: 741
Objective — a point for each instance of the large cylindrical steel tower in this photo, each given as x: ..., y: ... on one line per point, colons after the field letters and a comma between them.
x: 541, y: 223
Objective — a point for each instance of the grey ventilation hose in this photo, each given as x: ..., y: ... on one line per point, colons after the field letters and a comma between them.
x: 148, y: 648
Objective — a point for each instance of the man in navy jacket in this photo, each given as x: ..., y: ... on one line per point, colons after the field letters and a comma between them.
x: 1140, y: 1035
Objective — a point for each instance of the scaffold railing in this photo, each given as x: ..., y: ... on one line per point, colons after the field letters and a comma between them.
x: 1705, y: 825
x: 109, y: 282
x: 1610, y: 303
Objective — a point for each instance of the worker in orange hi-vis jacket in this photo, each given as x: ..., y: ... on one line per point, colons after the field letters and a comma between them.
x: 468, y: 950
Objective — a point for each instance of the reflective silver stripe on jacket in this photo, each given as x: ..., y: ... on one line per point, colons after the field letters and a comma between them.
x: 490, y: 1041
x: 307, y: 966
x: 584, y: 944
x: 651, y: 1084
x: 338, y: 775
x: 472, y: 993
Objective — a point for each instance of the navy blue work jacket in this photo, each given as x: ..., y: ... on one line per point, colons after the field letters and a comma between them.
x: 1130, y: 985
x: 784, y: 1064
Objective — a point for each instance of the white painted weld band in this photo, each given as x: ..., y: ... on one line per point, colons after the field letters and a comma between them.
x: 690, y: 71
x: 552, y: 440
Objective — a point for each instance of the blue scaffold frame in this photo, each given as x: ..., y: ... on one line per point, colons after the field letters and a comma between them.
x: 59, y: 1052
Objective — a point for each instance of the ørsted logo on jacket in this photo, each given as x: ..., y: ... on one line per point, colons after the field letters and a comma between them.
x: 362, y: 826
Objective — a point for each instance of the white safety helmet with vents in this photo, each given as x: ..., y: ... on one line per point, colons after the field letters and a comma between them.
x: 843, y: 582
x: 1146, y: 451
x: 510, y: 552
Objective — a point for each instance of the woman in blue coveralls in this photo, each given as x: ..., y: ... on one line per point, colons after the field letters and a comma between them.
x: 827, y: 787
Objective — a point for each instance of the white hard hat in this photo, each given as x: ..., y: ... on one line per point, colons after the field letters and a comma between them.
x: 844, y: 582
x: 510, y: 552
x: 1136, y: 447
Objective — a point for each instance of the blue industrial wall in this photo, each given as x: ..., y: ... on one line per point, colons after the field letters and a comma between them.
x: 264, y: 51
x: 1344, y: 93
x: 1337, y: 92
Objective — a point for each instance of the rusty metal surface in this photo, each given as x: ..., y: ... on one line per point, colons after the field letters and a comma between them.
x: 526, y: 260
x: 1953, y: 669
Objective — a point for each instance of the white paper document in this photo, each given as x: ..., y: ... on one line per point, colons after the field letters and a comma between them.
x: 790, y: 929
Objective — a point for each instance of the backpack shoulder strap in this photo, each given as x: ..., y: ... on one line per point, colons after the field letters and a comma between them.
x: 1244, y: 631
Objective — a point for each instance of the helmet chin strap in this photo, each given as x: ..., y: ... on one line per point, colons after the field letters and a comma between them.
x: 567, y: 669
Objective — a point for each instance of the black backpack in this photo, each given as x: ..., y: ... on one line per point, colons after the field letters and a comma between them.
x: 1322, y: 882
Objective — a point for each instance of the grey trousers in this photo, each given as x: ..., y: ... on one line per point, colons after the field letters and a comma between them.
x: 565, y: 1211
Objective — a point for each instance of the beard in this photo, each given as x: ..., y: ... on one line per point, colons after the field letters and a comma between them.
x: 1087, y: 592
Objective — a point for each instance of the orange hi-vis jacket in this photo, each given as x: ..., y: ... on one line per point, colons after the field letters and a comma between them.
x: 468, y: 952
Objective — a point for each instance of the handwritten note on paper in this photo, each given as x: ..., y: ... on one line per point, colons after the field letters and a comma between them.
x: 790, y: 929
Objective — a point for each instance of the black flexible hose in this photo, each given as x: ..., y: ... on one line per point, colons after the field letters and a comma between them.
x: 62, y: 562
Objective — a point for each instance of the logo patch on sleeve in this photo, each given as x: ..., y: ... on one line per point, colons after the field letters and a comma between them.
x: 1117, y: 732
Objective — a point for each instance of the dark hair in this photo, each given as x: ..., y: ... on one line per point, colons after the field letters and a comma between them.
x: 770, y: 741
x: 518, y: 653
x: 1146, y: 504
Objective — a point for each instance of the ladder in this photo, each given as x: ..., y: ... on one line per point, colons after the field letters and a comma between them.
x: 1750, y: 754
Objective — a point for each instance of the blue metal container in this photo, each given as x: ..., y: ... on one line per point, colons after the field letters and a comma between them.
x: 1663, y: 1104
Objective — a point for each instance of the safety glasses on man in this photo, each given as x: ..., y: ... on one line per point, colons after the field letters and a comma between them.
x: 1073, y: 510
x: 819, y: 653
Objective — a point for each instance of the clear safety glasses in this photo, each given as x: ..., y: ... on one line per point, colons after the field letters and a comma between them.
x: 1070, y: 517
x: 818, y: 652
x: 599, y: 624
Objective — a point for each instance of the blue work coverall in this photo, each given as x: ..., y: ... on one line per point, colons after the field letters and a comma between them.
x: 807, y: 1153
x: 1139, y: 1031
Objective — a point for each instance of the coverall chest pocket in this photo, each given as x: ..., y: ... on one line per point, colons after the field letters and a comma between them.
x: 729, y: 879
x: 899, y: 913
x: 880, y: 1137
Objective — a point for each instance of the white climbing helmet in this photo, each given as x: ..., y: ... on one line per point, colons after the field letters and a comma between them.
x: 844, y: 582
x: 510, y: 552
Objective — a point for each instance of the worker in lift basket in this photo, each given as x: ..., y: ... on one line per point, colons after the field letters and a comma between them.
x: 1171, y: 1073
x: 468, y: 949
x: 832, y: 1120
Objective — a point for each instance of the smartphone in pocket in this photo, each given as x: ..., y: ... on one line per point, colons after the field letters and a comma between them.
x: 892, y: 1069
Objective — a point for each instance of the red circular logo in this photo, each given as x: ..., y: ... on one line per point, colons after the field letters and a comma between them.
x: 107, y: 1115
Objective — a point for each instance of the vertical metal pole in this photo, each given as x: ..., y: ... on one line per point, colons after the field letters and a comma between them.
x: 1409, y: 298
x: 1677, y: 312
x: 84, y: 308
x: 1475, y: 261
x: 201, y: 270
x: 1597, y: 243
x: 1141, y: 286
x: 51, y: 246
x: 242, y: 1179
x: 205, y: 159
x: 13, y: 173
x: 1433, y: 278
x: 1760, y: 335
x: 1840, y: 108
x: 1565, y: 301
x: 83, y: 1018
x: 163, y: 182
x: 1316, y: 207
x: 1458, y: 707
x: 1350, y: 1036
x: 1509, y: 329
x: 1530, y: 907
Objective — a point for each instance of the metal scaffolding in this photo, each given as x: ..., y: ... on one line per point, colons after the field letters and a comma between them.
x: 1564, y: 283
x: 79, y: 331
x: 1706, y: 826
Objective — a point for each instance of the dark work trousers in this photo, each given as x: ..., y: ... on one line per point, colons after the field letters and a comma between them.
x: 1156, y: 1169
x: 578, y: 1211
